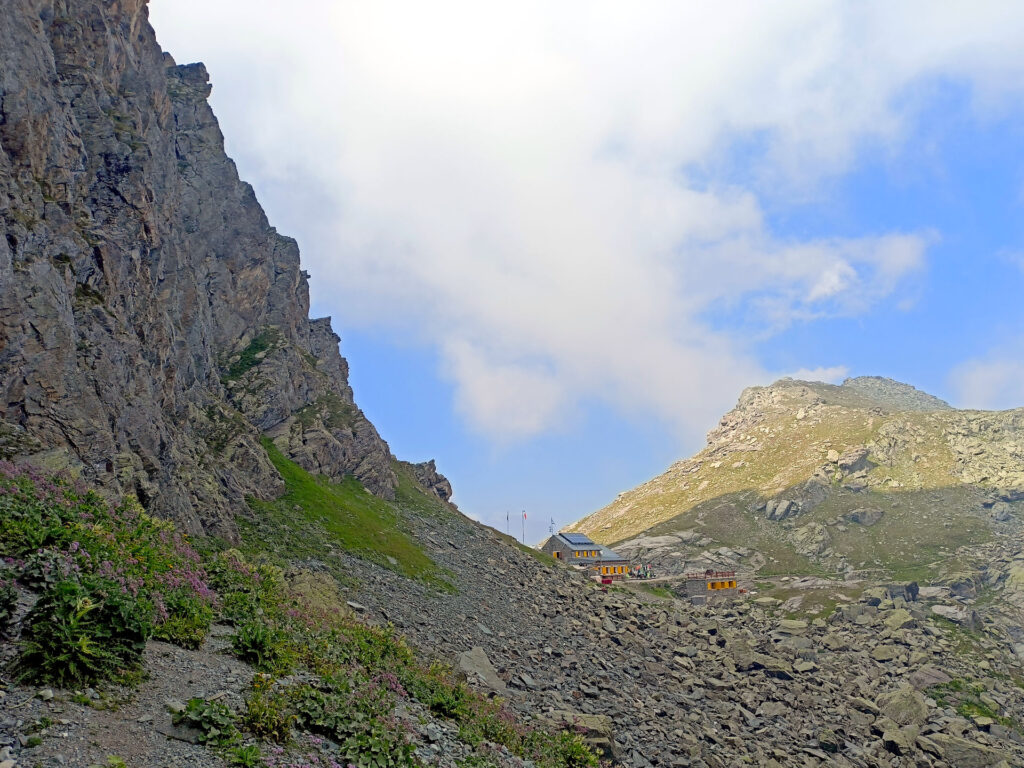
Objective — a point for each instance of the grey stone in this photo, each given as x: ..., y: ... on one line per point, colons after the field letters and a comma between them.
x: 476, y: 666
x: 904, y: 706
x: 961, y: 752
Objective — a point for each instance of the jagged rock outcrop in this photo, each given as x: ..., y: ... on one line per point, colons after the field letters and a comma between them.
x: 427, y: 475
x: 152, y: 323
x: 895, y: 395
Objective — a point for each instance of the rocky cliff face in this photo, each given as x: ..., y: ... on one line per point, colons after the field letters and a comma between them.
x: 153, y: 325
x: 804, y: 477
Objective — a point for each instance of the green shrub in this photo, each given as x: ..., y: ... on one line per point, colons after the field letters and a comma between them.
x: 475, y: 761
x: 268, y: 712
x: 55, y: 531
x: 321, y: 712
x: 8, y: 601
x: 358, y: 720
x: 264, y: 646
x: 439, y: 694
x: 77, y: 635
x: 246, y: 590
x: 248, y: 756
x: 214, y: 721
x: 564, y: 750
x: 187, y: 618
x: 377, y: 745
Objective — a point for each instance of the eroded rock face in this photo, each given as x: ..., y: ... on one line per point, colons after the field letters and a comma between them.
x: 427, y: 475
x: 152, y: 323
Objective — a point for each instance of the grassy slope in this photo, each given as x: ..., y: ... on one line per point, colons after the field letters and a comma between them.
x: 787, y: 458
x: 315, y: 517
x: 927, y: 512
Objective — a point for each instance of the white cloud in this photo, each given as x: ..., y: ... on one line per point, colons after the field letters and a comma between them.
x: 831, y: 375
x: 537, y: 188
x: 995, y: 382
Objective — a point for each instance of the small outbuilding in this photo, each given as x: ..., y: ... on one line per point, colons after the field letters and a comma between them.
x: 700, y: 587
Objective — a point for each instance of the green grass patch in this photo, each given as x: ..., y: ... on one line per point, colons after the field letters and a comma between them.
x: 968, y: 700
x: 329, y: 408
x: 410, y: 496
x: 316, y: 515
x: 966, y: 642
x: 250, y: 357
x: 815, y: 603
x: 650, y: 589
x: 730, y: 522
x: 917, y: 534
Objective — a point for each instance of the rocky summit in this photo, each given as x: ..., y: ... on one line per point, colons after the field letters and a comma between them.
x: 209, y: 556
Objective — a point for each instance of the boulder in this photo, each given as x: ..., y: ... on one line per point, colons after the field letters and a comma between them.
x: 1001, y: 512
x: 904, y: 706
x: 781, y: 509
x: 898, y: 619
x: 898, y: 740
x: 866, y: 516
x: 874, y: 595
x: 963, y: 585
x: 793, y: 626
x: 959, y: 614
x: 960, y: 752
x: 855, y: 460
x: 928, y: 676
x: 885, y: 653
x: 475, y: 665
x: 908, y: 592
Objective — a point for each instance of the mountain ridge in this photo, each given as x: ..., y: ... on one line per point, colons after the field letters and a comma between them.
x: 790, y: 464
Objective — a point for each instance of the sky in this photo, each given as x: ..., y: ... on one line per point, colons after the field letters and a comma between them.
x: 559, y: 239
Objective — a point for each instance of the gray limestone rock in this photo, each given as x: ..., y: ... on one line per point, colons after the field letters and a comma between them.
x: 960, y: 752
x: 904, y: 706
x: 427, y: 475
x: 154, y: 324
x: 477, y: 667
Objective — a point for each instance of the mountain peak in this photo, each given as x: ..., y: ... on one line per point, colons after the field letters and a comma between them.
x: 895, y: 394
x: 822, y: 453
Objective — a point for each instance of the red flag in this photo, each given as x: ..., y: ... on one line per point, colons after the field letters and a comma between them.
x: 524, y: 515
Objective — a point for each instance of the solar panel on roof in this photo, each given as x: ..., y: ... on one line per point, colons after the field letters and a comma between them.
x: 577, y: 538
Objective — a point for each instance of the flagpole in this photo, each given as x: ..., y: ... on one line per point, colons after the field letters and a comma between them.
x: 524, y: 526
